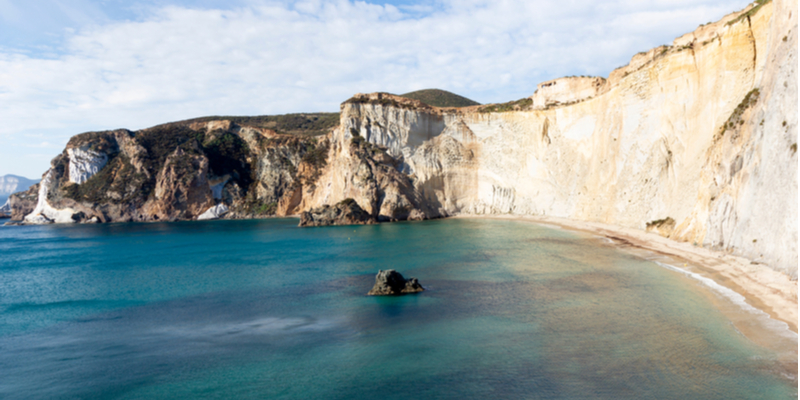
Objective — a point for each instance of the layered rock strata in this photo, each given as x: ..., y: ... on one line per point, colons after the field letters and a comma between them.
x: 696, y: 141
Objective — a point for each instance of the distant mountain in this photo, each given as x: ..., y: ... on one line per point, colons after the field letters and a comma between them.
x: 11, y: 184
x: 440, y: 98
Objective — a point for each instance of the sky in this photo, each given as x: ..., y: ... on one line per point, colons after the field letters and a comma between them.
x: 72, y: 66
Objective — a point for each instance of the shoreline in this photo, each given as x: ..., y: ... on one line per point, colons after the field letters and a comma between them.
x: 763, y: 288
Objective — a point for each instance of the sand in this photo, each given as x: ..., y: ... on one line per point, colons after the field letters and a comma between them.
x: 765, y: 289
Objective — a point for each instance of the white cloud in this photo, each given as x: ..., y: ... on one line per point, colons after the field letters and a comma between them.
x: 269, y: 58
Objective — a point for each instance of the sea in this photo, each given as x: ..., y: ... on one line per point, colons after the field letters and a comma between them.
x: 262, y: 309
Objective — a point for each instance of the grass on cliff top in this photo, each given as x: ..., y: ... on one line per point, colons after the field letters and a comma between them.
x: 303, y: 124
x: 517, y: 105
x: 440, y: 98
x: 753, y: 11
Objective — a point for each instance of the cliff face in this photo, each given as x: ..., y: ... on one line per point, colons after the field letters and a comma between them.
x: 696, y: 141
x: 174, y: 172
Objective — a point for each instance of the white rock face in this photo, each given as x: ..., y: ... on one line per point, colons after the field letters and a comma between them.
x: 565, y: 90
x: 44, y: 213
x: 648, y: 147
x: 84, y: 163
x: 215, y: 212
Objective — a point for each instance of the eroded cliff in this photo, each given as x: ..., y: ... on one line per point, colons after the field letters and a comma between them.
x: 696, y: 141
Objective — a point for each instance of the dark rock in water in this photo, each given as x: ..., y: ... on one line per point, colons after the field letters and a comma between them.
x: 346, y: 212
x: 391, y: 282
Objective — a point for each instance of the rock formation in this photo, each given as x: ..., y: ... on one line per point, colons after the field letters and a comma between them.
x: 216, y: 212
x: 696, y: 141
x: 391, y: 282
x: 345, y: 212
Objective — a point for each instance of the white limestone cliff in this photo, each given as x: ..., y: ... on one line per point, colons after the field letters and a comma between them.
x: 697, y: 141
x: 216, y: 212
x: 84, y: 163
x: 44, y: 213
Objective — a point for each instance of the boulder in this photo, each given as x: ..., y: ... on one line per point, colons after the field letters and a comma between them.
x: 391, y: 282
x: 216, y: 212
x: 346, y: 212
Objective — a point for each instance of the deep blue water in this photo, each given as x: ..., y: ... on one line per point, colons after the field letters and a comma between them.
x: 262, y: 309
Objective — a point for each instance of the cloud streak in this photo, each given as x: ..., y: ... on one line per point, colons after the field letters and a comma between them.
x: 279, y: 57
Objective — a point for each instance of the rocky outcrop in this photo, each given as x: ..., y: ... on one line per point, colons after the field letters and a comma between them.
x: 392, y: 283
x: 216, y: 212
x: 23, y: 203
x: 567, y: 90
x: 346, y: 212
x: 182, y: 190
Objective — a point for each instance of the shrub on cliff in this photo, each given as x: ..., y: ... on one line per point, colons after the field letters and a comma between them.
x: 440, y: 98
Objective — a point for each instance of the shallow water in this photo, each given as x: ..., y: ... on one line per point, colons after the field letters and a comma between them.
x: 262, y: 309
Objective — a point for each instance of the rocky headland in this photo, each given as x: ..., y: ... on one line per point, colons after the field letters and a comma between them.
x: 694, y: 141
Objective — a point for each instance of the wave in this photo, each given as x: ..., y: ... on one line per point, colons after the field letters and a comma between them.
x: 735, y: 298
x: 259, y: 326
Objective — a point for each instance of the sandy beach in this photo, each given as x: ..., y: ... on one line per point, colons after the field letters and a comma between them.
x: 763, y: 288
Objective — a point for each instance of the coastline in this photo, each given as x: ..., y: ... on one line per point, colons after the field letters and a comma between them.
x: 763, y: 288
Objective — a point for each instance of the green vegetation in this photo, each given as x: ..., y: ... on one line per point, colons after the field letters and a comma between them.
x: 97, y: 141
x: 348, y: 202
x: 660, y: 222
x: 115, y: 178
x: 304, y: 124
x: 267, y: 208
x: 753, y: 11
x: 518, y: 105
x: 385, y: 101
x: 363, y: 145
x: 736, y: 116
x: 317, y: 157
x: 440, y: 98
x: 227, y: 154
x: 793, y: 147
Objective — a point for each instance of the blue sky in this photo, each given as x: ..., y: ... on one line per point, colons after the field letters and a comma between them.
x: 71, y: 66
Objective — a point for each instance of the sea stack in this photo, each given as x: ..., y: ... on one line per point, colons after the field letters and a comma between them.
x: 346, y: 212
x: 391, y: 282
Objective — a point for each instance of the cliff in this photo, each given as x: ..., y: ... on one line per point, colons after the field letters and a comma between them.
x: 174, y: 172
x: 696, y: 141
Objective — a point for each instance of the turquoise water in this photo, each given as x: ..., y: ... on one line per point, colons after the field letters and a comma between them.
x: 262, y: 309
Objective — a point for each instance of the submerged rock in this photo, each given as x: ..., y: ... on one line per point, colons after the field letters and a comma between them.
x: 391, y: 282
x: 346, y: 212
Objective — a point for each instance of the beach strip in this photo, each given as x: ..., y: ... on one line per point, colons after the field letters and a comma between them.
x: 763, y: 288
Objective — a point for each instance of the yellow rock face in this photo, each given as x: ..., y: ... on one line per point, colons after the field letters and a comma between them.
x: 667, y: 136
